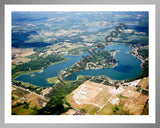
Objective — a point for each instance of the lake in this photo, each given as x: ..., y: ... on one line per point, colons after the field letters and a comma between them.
x: 128, y: 67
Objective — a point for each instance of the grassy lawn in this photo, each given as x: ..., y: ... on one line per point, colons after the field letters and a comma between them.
x: 93, y: 112
x: 90, y: 109
x: 13, y: 66
x: 121, y: 96
x: 107, y: 110
x: 67, y: 97
x: 52, y: 80
x: 20, y: 110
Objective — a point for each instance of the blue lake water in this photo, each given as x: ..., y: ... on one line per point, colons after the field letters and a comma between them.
x: 128, y: 67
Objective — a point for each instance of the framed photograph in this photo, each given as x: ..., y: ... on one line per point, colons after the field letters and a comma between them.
x: 74, y: 63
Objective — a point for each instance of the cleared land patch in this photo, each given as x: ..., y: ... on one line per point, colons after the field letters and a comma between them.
x: 144, y: 83
x: 28, y: 53
x: 34, y: 99
x: 20, y: 55
x: 135, y: 103
x: 19, y: 92
x: 22, y: 95
x: 98, y: 99
x: 90, y: 96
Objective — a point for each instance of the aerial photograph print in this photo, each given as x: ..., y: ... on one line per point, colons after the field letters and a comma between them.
x: 79, y: 63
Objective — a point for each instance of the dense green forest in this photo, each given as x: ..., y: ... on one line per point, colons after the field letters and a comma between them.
x: 104, y: 55
x: 58, y: 96
x: 143, y: 52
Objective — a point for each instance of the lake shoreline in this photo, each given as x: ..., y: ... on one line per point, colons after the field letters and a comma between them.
x: 38, y: 70
x: 115, y: 73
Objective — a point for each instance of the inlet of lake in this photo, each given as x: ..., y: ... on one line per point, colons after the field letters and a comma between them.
x: 128, y: 67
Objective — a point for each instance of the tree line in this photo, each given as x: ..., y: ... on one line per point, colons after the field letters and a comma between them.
x: 37, y: 63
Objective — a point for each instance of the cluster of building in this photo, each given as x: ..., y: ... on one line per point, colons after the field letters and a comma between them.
x: 46, y: 91
x: 133, y: 83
